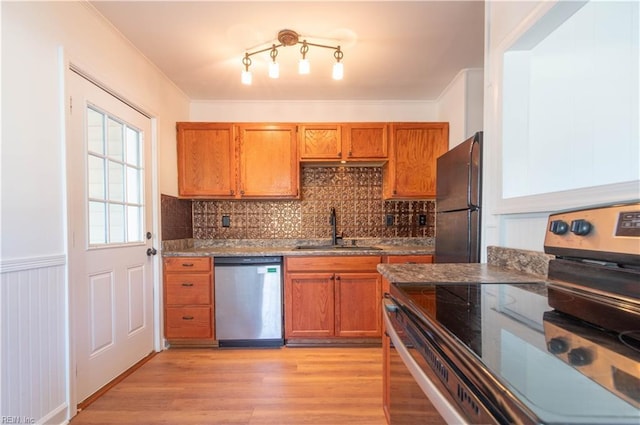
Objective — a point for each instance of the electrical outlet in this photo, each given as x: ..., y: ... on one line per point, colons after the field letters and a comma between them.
x: 226, y: 221
x: 389, y: 219
x: 422, y: 219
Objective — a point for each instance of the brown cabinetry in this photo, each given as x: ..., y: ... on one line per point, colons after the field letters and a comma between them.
x: 268, y: 161
x: 188, y: 300
x: 343, y: 142
x: 226, y: 161
x: 425, y: 297
x: 329, y: 297
x: 206, y: 160
x: 414, y: 148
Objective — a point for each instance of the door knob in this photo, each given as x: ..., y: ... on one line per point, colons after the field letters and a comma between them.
x: 151, y: 251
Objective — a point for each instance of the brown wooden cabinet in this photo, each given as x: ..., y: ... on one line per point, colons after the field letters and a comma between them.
x: 327, y: 297
x: 188, y: 300
x: 343, y: 142
x: 226, y: 161
x: 268, y: 161
x: 414, y: 148
x: 206, y: 160
x: 320, y: 142
x: 365, y: 141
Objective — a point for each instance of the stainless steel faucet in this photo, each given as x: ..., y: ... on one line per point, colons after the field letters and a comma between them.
x: 334, y: 228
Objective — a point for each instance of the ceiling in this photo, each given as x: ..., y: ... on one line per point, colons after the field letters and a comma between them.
x: 393, y: 50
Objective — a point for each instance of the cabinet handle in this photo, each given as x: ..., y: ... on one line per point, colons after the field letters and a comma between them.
x: 187, y: 264
x: 231, y: 192
x: 339, y: 154
x: 242, y: 192
x: 338, y: 277
x: 187, y: 317
x: 187, y: 284
x: 332, y: 277
x: 350, y: 154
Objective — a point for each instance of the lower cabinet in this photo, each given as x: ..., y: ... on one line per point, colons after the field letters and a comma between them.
x: 332, y: 297
x: 188, y: 300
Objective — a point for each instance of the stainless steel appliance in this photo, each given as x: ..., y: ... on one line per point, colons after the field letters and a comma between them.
x: 566, y: 352
x: 248, y: 301
x: 458, y: 199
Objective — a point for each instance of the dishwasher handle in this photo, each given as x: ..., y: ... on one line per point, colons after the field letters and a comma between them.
x: 246, y: 261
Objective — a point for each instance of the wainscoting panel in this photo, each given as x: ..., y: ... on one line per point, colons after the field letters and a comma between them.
x: 33, y: 340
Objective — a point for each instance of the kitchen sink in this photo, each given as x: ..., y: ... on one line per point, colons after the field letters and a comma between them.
x: 338, y: 248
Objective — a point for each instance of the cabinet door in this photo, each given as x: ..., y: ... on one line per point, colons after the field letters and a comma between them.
x: 206, y: 160
x: 268, y: 161
x: 320, y: 142
x: 309, y: 305
x: 414, y: 149
x: 365, y: 141
x: 358, y: 305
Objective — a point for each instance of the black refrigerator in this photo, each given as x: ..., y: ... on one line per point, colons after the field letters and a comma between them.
x: 458, y: 200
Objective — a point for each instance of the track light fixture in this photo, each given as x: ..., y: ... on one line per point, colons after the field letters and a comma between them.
x: 291, y: 38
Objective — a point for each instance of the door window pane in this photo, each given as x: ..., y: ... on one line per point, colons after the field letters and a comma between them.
x: 97, y: 223
x: 115, y: 180
x: 95, y: 131
x: 116, y: 223
x: 115, y: 139
x: 96, y: 177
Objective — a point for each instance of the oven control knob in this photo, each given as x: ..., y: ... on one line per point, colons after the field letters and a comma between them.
x: 580, y: 357
x: 558, y: 227
x: 557, y: 345
x: 580, y: 227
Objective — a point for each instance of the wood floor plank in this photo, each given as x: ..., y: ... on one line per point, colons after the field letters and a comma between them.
x: 329, y: 386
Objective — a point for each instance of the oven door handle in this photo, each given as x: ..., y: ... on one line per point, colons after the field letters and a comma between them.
x: 442, y: 405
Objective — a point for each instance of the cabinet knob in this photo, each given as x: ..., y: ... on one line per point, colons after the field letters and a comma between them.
x: 350, y: 154
x: 338, y: 277
x: 339, y: 154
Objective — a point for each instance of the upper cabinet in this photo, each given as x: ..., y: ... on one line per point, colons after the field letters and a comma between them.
x: 343, y: 142
x: 206, y: 160
x: 321, y: 142
x: 226, y: 161
x: 413, y: 151
x: 268, y: 161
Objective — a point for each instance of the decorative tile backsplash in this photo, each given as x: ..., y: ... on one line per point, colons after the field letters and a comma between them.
x: 355, y: 193
x: 177, y: 218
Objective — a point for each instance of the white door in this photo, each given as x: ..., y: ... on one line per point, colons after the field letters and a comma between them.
x: 110, y: 213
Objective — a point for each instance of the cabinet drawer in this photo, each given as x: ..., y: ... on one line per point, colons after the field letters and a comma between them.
x: 187, y: 264
x: 334, y: 264
x: 188, y: 322
x: 187, y: 288
x: 410, y: 259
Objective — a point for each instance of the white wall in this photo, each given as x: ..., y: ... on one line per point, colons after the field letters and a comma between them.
x: 33, y: 288
x: 313, y: 111
x: 460, y: 104
x: 519, y: 222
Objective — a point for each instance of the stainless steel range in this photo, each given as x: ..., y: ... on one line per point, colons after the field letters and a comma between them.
x: 596, y: 272
x: 564, y: 351
x: 596, y: 278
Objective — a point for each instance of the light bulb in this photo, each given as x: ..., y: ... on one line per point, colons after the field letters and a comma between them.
x: 246, y: 78
x: 274, y: 70
x: 338, y: 71
x: 304, y: 67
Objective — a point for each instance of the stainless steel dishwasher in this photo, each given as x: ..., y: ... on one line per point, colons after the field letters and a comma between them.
x: 248, y: 301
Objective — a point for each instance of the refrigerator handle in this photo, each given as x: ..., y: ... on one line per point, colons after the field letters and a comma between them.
x: 475, y: 144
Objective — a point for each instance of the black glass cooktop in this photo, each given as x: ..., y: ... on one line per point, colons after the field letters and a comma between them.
x: 562, y: 369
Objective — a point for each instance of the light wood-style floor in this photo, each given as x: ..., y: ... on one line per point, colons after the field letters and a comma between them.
x: 329, y: 386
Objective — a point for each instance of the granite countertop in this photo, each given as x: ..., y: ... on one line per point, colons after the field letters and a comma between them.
x: 454, y: 273
x: 291, y: 251
x: 260, y: 248
x: 505, y: 265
